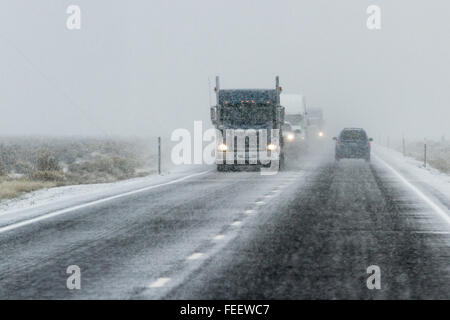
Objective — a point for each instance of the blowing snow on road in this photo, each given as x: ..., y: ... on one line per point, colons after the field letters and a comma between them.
x: 224, y: 159
x: 309, y: 232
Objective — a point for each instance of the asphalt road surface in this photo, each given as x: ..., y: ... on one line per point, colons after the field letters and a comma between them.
x: 309, y: 232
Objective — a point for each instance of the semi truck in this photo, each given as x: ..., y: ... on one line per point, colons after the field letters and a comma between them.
x: 295, y: 109
x: 316, y: 124
x: 295, y: 118
x: 248, y: 126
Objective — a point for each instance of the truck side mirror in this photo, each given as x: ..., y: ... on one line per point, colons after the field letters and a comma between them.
x: 213, y: 115
x: 370, y: 139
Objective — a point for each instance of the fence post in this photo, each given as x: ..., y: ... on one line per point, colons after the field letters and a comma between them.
x: 425, y: 155
x: 159, y: 155
x: 403, y: 146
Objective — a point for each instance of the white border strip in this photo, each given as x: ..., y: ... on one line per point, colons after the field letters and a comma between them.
x: 92, y: 203
x: 430, y: 202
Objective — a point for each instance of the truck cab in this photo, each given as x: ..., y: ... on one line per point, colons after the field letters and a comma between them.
x: 248, y: 125
x: 316, y: 124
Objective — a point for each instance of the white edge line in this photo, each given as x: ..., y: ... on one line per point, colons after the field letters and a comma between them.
x: 92, y: 203
x: 432, y: 232
x: 434, y: 206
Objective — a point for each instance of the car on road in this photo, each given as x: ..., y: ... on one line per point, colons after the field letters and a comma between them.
x: 352, y: 143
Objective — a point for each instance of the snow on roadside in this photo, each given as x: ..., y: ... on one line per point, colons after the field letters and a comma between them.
x: 49, y: 195
x: 85, y: 192
x: 428, y: 175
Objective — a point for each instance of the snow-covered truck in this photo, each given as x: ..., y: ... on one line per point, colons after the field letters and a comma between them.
x: 315, y: 123
x: 249, y: 125
x: 295, y: 116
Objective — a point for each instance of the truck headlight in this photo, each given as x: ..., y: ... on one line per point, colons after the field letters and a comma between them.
x: 290, y: 136
x: 222, y: 147
x: 271, y: 147
x: 320, y: 134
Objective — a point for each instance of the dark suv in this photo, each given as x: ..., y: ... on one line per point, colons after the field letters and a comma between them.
x: 352, y: 143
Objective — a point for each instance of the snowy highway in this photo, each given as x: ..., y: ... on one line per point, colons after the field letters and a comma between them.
x: 309, y: 232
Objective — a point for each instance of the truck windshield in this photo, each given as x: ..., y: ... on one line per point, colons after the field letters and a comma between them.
x: 245, y: 115
x: 315, y: 121
x: 295, y: 119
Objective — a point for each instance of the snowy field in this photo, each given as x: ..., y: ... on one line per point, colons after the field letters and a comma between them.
x: 438, y: 152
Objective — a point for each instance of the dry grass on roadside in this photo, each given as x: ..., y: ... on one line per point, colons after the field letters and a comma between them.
x: 10, y: 188
x: 28, y: 164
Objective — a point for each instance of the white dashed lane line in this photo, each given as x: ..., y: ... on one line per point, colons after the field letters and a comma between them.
x: 159, y: 283
x: 195, y: 256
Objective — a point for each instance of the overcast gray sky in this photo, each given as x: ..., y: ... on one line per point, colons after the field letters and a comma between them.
x: 142, y: 67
